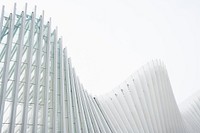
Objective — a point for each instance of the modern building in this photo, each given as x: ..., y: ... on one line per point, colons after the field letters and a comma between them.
x: 41, y: 93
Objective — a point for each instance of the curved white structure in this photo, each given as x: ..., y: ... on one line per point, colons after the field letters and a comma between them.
x: 190, y: 111
x: 41, y: 93
x: 144, y: 103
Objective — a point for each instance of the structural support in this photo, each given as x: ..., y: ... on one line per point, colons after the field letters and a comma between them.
x: 28, y: 73
x: 55, y: 48
x: 38, y: 75
x: 63, y: 123
x: 6, y: 66
x: 47, y: 79
x: 20, y: 44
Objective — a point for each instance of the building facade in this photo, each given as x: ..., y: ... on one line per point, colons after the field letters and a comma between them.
x: 41, y: 93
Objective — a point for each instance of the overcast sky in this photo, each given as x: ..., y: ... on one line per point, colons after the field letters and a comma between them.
x: 110, y: 39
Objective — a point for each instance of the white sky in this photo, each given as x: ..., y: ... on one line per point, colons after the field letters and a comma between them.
x: 110, y: 39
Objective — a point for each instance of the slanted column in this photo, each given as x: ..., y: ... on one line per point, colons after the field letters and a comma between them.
x: 17, y: 73
x: 83, y: 122
x: 70, y: 120
x: 28, y: 73
x: 6, y: 65
x: 55, y: 83
x: 74, y: 100
x: 62, y: 92
x: 37, y: 75
x: 47, y: 77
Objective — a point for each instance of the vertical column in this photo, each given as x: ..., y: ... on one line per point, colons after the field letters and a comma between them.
x: 69, y: 99
x: 17, y: 72
x: 28, y: 73
x: 6, y: 65
x: 37, y: 74
x: 63, y: 129
x: 55, y: 83
x: 47, y: 75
